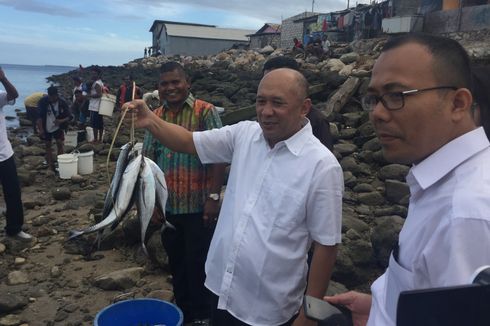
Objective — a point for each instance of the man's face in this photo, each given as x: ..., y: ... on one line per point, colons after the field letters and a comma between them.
x: 279, y: 105
x: 423, y: 125
x: 173, y: 87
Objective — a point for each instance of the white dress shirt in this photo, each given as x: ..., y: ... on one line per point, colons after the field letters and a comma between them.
x: 5, y: 147
x: 446, y: 235
x: 276, y: 202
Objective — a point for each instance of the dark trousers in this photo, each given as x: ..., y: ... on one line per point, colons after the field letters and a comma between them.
x: 11, y: 192
x: 187, y: 247
x: 224, y: 318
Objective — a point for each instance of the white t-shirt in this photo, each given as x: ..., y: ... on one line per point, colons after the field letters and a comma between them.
x: 51, y: 114
x: 94, y: 103
x: 446, y: 235
x: 277, y: 202
x: 5, y: 147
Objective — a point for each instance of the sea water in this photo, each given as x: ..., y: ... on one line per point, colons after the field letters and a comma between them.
x: 27, y: 80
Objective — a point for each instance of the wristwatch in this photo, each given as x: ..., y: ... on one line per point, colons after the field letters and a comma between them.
x: 214, y: 196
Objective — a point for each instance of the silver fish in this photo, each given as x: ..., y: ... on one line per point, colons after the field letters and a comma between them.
x: 145, y: 201
x: 121, y: 164
x: 161, y: 190
x: 123, y: 199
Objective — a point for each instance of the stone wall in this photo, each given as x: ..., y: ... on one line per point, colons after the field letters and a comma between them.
x: 467, y: 19
x: 290, y: 29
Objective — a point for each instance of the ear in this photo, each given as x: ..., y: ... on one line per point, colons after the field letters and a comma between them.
x: 461, y: 104
x: 305, y: 107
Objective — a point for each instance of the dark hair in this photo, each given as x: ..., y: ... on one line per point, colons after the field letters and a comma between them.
x: 281, y: 62
x: 78, y: 91
x: 52, y: 90
x: 481, y: 88
x: 451, y: 62
x: 172, y: 66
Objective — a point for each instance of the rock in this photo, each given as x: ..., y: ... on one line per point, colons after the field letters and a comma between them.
x: 384, y: 236
x: 19, y: 261
x: 266, y: 50
x: 394, y: 172
x: 55, y: 271
x: 364, y: 187
x: 396, y: 191
x: 62, y: 193
x: 119, y: 280
x: 31, y: 151
x: 17, y: 277
x: 10, y: 320
x: 373, y: 198
x: 10, y: 302
x: 334, y: 65
x: 350, y: 222
x: 2, y: 248
x: 349, y: 57
x: 166, y: 295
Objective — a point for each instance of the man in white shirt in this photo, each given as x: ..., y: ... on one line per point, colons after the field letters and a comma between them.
x: 420, y: 105
x: 8, y: 171
x: 284, y: 192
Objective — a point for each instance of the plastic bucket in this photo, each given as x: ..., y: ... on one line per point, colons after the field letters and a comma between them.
x: 107, y: 103
x: 71, y: 138
x: 140, y: 312
x: 67, y: 165
x: 90, y: 134
x: 85, y: 162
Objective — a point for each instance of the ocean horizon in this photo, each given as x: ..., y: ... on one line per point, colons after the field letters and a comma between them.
x: 27, y: 79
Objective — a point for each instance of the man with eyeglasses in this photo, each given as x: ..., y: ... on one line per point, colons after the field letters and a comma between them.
x: 420, y: 105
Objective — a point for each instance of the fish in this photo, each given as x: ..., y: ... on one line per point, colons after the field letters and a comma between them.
x: 121, y: 164
x: 145, y: 200
x: 122, y: 201
x: 161, y: 191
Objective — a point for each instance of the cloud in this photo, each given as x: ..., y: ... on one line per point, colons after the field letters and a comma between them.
x: 41, y: 7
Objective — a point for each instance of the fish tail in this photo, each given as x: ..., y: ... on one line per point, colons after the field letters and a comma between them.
x: 74, y: 233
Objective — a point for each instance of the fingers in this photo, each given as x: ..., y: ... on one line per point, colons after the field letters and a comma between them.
x: 343, y: 298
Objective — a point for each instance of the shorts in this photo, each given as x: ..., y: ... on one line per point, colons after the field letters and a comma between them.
x: 96, y: 120
x: 58, y: 135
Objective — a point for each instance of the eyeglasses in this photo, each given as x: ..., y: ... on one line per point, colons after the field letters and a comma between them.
x: 394, y: 100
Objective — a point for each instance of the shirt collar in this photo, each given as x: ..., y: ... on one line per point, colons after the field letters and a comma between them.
x: 448, y: 157
x: 189, y: 101
x: 294, y: 143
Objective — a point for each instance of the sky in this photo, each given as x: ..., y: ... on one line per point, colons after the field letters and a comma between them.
x: 114, y: 32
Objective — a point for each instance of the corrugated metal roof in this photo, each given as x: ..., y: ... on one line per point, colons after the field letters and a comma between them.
x: 207, y: 32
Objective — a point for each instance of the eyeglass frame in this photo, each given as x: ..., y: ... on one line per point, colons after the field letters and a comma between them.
x: 402, y: 96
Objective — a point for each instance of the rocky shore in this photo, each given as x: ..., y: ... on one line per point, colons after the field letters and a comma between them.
x: 50, y: 281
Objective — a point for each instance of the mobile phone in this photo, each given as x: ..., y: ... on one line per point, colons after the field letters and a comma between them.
x: 326, y: 313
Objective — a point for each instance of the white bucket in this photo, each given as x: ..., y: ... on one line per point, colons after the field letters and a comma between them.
x: 90, y: 134
x: 107, y: 103
x: 85, y: 162
x: 71, y: 138
x: 138, y: 147
x: 67, y: 165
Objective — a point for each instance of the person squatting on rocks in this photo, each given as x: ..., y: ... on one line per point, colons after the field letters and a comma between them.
x: 193, y: 192
x: 319, y: 123
x: 8, y: 171
x: 420, y: 104
x: 95, y: 95
x: 54, y: 116
x: 284, y: 192
x: 32, y: 111
x: 481, y: 97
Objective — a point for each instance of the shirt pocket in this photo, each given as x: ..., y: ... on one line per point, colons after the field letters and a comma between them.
x: 283, y: 205
x: 398, y: 279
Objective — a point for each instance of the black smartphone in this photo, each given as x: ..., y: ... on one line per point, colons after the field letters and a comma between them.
x: 325, y: 313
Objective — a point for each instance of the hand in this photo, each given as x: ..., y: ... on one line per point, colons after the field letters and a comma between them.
x: 211, y: 212
x: 302, y: 320
x: 138, y: 110
x: 358, y: 303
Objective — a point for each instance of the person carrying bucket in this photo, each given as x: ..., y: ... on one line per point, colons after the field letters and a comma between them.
x: 96, y: 120
x: 54, y: 116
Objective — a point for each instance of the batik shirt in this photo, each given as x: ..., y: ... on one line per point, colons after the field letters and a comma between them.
x: 188, y: 180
